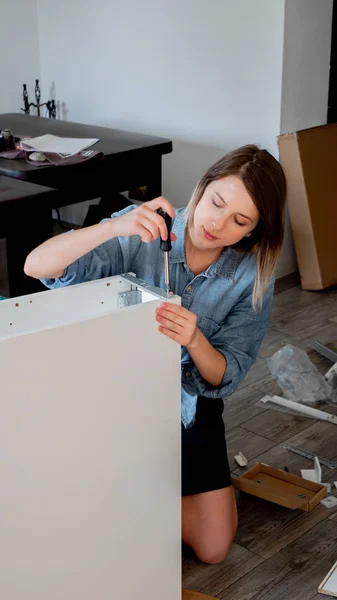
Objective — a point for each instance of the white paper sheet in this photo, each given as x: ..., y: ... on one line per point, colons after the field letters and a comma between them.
x: 59, y: 145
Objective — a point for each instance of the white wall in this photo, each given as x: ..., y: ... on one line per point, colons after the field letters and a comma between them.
x: 210, y: 75
x: 19, y: 51
x: 205, y: 73
x: 202, y: 72
x: 305, y: 82
x: 306, y: 64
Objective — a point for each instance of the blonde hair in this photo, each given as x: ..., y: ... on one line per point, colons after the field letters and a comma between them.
x: 264, y: 180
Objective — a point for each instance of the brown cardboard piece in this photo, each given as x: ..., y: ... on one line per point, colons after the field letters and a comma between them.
x: 309, y: 159
x: 190, y: 595
x: 280, y: 487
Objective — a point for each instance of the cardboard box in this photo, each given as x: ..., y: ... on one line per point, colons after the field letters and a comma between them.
x: 309, y: 158
x: 280, y: 487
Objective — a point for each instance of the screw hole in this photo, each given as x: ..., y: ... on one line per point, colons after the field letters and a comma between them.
x: 102, y: 302
x: 30, y: 301
x: 17, y: 304
x: 108, y: 285
x: 11, y: 323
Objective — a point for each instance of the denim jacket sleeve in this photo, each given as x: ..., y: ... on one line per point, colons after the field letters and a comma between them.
x: 238, y: 339
x: 111, y: 258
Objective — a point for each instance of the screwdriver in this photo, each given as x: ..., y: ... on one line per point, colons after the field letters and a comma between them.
x: 166, y: 247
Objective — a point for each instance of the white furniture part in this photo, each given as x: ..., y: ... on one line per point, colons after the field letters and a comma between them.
x: 90, y: 497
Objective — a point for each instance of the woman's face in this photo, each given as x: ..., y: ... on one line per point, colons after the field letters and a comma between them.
x: 224, y: 215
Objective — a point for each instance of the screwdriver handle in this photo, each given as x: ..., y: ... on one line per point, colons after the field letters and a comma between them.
x: 165, y: 245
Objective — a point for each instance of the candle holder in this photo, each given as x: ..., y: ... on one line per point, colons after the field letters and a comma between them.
x: 50, y: 104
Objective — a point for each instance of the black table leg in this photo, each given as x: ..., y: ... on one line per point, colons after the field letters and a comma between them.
x: 153, y: 188
x: 25, y: 230
x: 109, y: 203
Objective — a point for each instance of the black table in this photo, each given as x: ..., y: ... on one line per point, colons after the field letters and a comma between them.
x: 18, y: 199
x: 131, y: 160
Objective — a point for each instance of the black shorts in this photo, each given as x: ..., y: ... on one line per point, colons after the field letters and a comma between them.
x: 204, y: 453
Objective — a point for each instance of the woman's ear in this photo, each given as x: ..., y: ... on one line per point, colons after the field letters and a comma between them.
x: 247, y: 243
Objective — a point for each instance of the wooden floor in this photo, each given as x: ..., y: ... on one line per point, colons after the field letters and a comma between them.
x: 278, y: 554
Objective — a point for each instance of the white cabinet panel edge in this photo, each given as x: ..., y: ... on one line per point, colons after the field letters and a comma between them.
x: 90, y: 503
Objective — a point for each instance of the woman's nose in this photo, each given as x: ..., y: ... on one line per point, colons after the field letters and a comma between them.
x: 220, y: 223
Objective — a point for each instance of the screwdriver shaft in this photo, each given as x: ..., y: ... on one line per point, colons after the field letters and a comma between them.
x: 167, y: 273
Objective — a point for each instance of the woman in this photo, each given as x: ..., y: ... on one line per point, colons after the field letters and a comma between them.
x: 226, y: 245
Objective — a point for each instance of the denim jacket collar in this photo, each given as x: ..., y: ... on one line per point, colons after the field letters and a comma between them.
x: 224, y: 267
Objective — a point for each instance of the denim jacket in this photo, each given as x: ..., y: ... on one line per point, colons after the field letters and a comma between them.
x: 221, y: 297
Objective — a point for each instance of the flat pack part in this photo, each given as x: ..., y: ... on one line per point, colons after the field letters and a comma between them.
x: 129, y: 298
x: 310, y: 475
x: 324, y: 351
x: 241, y: 460
x: 329, y: 501
x: 314, y: 474
x: 144, y: 287
x: 301, y: 409
x: 329, y: 583
x: 310, y: 456
x: 285, y: 489
x: 331, y: 374
x: 317, y: 469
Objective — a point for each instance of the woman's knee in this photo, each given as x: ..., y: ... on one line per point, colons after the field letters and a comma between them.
x: 209, y: 524
x: 214, y: 550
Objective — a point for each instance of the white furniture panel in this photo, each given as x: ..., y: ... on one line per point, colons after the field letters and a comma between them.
x: 90, y: 497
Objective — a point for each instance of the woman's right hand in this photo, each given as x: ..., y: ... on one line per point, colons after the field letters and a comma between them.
x: 145, y: 221
x: 51, y: 258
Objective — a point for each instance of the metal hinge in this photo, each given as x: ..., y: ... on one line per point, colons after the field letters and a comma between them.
x: 129, y: 298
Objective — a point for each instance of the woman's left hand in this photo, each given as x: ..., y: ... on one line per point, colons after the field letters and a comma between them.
x: 178, y: 323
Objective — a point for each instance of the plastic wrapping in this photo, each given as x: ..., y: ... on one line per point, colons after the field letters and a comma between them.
x: 297, y: 377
